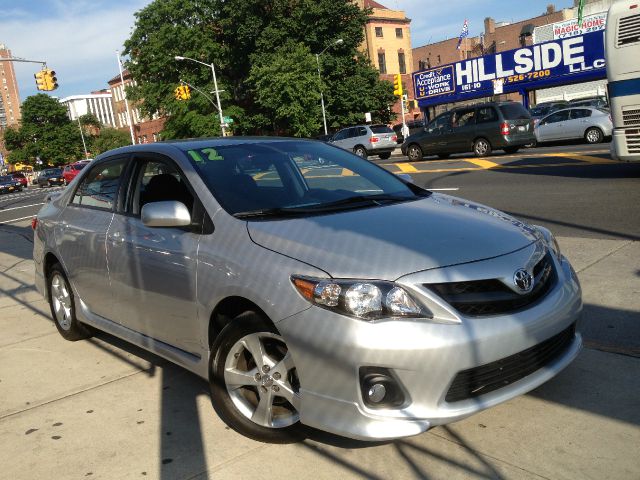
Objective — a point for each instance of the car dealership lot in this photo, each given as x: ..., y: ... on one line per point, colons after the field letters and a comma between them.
x: 104, y: 409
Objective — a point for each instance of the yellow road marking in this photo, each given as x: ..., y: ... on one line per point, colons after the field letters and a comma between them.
x: 406, y: 167
x: 486, y: 164
x: 587, y: 158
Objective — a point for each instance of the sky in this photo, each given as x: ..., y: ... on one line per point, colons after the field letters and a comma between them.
x: 79, y: 38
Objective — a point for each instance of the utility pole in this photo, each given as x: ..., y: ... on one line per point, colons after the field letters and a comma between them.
x: 126, y: 102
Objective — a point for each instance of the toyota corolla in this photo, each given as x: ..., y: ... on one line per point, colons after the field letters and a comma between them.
x: 309, y: 287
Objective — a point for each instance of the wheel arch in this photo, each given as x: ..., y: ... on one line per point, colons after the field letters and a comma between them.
x: 229, y: 308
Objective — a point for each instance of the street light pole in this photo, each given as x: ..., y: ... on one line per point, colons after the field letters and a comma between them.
x: 324, y: 115
x: 215, y: 86
x: 126, y: 102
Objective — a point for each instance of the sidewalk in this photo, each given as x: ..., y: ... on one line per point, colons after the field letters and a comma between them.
x: 104, y: 409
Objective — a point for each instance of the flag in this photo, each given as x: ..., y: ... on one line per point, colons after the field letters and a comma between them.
x: 464, y: 33
x: 580, y: 12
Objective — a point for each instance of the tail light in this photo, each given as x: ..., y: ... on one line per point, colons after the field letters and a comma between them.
x: 374, y: 139
x: 394, y: 138
x: 34, y: 223
x: 504, y: 128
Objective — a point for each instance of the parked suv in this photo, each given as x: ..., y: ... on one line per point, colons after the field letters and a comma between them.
x: 365, y: 140
x: 477, y: 128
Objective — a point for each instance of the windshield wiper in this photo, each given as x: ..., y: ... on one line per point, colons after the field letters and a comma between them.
x: 378, y: 199
x: 272, y: 212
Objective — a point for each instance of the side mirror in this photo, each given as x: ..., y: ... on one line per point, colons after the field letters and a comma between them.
x: 165, y: 214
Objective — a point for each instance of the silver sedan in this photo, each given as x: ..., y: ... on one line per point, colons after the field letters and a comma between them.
x: 308, y: 286
x: 587, y: 123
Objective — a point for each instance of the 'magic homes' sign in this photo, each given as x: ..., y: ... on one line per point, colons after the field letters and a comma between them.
x: 562, y: 61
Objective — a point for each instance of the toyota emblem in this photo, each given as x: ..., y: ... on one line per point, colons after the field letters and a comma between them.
x: 523, y: 280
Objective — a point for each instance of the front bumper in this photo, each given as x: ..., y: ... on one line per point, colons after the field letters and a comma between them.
x: 58, y: 181
x: 329, y: 349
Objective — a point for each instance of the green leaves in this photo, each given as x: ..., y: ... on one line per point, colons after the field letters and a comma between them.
x: 264, y: 52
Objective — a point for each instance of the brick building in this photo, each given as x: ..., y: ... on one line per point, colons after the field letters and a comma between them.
x: 10, y: 97
x: 145, y: 130
x: 387, y: 42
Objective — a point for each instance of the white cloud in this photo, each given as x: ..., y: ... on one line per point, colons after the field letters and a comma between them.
x: 78, y: 41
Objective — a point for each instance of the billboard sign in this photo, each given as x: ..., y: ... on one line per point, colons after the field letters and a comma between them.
x: 570, y: 28
x: 557, y: 62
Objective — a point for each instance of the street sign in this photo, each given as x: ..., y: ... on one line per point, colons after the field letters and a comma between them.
x: 227, y: 120
x: 554, y: 63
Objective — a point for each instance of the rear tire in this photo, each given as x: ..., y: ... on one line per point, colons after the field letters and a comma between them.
x: 482, y: 147
x: 593, y: 135
x: 63, y: 308
x: 360, y: 151
x: 414, y: 152
x: 254, y: 384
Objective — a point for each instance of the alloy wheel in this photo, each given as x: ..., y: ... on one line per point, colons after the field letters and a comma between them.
x: 61, y: 301
x: 482, y: 147
x: 261, y: 380
x: 594, y: 135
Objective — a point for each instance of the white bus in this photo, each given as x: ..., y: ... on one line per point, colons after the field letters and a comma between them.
x: 623, y: 72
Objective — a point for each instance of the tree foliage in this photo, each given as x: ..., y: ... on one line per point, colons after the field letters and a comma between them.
x: 264, y: 52
x: 45, y: 132
x: 108, y: 139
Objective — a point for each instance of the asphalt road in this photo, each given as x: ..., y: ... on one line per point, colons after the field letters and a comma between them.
x: 574, y: 190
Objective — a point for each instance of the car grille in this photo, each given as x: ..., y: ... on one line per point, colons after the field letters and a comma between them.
x: 492, y: 297
x: 631, y: 117
x: 633, y: 140
x: 492, y: 376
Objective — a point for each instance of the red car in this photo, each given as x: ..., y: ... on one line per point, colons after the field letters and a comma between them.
x: 70, y: 171
x: 21, y: 178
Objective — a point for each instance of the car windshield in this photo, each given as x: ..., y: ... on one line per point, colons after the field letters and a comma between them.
x: 514, y: 111
x: 57, y: 171
x: 283, y: 178
x: 79, y: 166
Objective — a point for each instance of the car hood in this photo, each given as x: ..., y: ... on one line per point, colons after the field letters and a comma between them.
x: 390, y: 241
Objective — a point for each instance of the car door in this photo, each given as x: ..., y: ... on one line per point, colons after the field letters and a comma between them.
x: 578, y: 122
x: 153, y: 269
x: 436, y: 134
x: 463, y: 124
x: 552, y: 127
x: 339, y: 139
x: 81, y: 234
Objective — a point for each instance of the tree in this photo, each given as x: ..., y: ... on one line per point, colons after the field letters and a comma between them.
x: 45, y: 132
x: 108, y: 139
x: 264, y: 54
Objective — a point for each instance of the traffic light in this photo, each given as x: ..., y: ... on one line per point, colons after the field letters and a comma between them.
x: 397, y: 85
x: 40, y: 80
x: 182, y: 92
x: 50, y: 80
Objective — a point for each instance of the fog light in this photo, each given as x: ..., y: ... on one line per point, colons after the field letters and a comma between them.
x: 381, y: 389
x: 377, y: 392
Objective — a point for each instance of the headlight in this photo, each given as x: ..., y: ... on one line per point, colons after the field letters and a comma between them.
x: 550, y: 240
x: 367, y: 300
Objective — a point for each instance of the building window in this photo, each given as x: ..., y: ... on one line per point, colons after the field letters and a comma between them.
x: 439, y: 61
x: 379, y: 32
x: 398, y: 32
x: 382, y: 63
x: 401, y: 64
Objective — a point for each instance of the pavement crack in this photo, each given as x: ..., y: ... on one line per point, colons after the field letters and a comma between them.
x: 606, y: 256
x: 88, y: 389
x: 478, y: 452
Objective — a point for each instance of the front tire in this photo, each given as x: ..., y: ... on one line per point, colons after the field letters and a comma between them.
x: 254, y: 384
x: 482, y: 147
x: 360, y: 151
x: 414, y: 152
x: 63, y: 308
x: 594, y: 135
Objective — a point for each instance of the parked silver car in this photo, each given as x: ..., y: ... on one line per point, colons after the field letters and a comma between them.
x: 365, y: 140
x: 308, y: 286
x: 588, y: 123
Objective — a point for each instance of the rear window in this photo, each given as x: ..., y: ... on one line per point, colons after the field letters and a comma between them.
x: 79, y: 167
x: 380, y: 129
x: 514, y: 111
